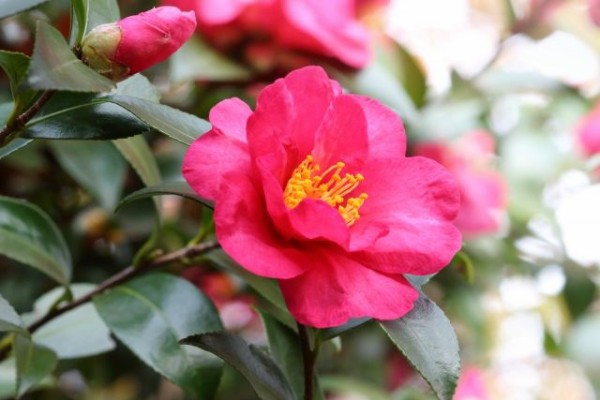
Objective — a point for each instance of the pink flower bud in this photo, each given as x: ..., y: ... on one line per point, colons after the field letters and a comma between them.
x: 133, y: 44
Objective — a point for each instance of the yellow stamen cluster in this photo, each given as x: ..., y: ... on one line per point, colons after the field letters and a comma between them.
x: 329, y: 186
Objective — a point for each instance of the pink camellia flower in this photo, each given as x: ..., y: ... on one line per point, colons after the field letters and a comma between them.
x: 471, y: 385
x: 312, y: 189
x: 594, y: 11
x: 588, y: 132
x: 483, y: 190
x: 135, y: 43
x: 325, y: 28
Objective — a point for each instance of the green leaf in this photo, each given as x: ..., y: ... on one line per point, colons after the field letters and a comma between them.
x: 151, y: 314
x: 70, y: 115
x: 75, y: 334
x: 177, y: 124
x: 16, y: 144
x: 53, y: 66
x: 89, y: 14
x: 13, y: 146
x: 266, y: 288
x: 8, y: 377
x: 29, y: 236
x: 196, y: 60
x: 412, y: 76
x: 137, y: 86
x: 137, y: 152
x: 427, y: 339
x: 179, y: 188
x: 9, y: 319
x: 12, y: 7
x: 330, y: 333
x: 34, y: 363
x: 96, y: 166
x: 284, y: 346
x: 258, y: 368
x: 15, y: 65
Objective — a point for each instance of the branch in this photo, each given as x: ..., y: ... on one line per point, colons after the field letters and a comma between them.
x: 309, y: 357
x: 121, y: 277
x: 20, y: 122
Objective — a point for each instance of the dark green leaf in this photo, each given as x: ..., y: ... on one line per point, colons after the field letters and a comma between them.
x: 138, y: 86
x: 16, y: 144
x: 34, y: 363
x: 179, y: 188
x: 177, y: 124
x: 9, y: 319
x: 151, y: 314
x: 195, y: 60
x: 96, y: 166
x: 330, y: 333
x: 261, y: 371
x: 418, y: 280
x: 29, y: 236
x: 71, y: 115
x: 11, y: 7
x: 427, y: 339
x: 53, y: 66
x: 284, y: 346
x: 137, y: 152
x: 15, y: 65
x: 13, y: 146
x: 77, y: 333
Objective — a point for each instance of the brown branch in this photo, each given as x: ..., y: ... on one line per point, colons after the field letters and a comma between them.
x: 20, y: 122
x: 309, y: 358
x: 121, y: 277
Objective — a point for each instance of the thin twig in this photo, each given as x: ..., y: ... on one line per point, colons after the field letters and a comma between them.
x: 121, y: 277
x: 309, y: 358
x: 20, y: 122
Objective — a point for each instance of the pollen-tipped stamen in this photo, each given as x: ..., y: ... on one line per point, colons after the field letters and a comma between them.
x: 329, y: 186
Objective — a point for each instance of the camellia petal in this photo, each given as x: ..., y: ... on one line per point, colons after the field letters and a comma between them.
x: 288, y: 113
x: 244, y: 232
x: 300, y: 28
x: 416, y: 209
x: 339, y: 288
x: 342, y: 136
x: 483, y: 190
x: 328, y: 27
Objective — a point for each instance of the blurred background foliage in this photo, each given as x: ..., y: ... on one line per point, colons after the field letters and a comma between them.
x: 523, y: 296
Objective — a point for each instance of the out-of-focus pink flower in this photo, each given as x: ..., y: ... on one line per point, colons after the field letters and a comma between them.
x: 136, y: 43
x: 324, y: 28
x: 594, y: 11
x: 235, y: 308
x: 313, y: 189
x: 471, y: 385
x: 483, y: 190
x: 588, y: 132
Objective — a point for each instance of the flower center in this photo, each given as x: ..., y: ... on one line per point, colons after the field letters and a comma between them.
x: 307, y: 181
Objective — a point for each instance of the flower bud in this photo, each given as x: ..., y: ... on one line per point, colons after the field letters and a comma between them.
x: 133, y: 44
